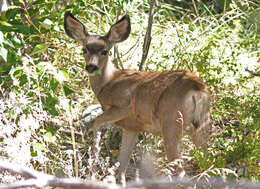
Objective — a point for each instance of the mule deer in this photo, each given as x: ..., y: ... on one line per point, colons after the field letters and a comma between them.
x: 169, y: 103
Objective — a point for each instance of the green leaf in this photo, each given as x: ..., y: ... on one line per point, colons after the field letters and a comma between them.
x: 52, y: 110
x: 39, y: 49
x: 21, y: 1
x: 34, y: 153
x: 47, y: 23
x: 3, y: 23
x: 4, y: 68
x: 1, y: 37
x: 23, y: 79
x: 50, y: 104
x: 11, y: 58
x: 9, y: 42
x: 67, y: 90
x: 99, y: 72
x: 38, y: 2
x: 24, y: 29
x: 65, y: 74
x: 54, y: 84
x: 48, y: 137
x: 14, y: 7
x: 51, y: 101
x: 3, y: 53
x: 39, y: 147
x: 5, y: 26
x: 18, y: 72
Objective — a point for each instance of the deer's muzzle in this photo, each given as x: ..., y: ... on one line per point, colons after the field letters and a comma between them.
x: 91, y: 68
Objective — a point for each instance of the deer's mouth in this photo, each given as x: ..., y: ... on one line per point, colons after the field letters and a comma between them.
x: 91, y: 68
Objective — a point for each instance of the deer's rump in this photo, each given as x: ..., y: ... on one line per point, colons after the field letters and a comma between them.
x: 171, y: 87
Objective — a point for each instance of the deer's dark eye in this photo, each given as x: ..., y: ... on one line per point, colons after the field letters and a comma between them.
x: 104, y: 52
x: 85, y: 51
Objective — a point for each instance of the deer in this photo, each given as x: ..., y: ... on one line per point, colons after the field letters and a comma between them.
x: 170, y: 104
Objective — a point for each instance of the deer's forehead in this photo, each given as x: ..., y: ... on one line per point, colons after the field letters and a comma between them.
x: 96, y: 43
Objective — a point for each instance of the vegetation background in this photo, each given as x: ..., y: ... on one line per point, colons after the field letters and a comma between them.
x: 44, y: 90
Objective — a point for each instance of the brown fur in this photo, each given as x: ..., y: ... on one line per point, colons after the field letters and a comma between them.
x: 170, y: 103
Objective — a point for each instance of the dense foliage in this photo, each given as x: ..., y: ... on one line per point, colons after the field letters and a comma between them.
x: 45, y: 90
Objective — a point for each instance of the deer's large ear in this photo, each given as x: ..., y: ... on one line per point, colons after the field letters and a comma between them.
x: 120, y: 30
x: 74, y: 28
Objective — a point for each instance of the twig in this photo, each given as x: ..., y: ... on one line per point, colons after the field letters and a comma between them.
x: 37, y: 179
x: 252, y: 72
x: 116, y: 52
x: 147, y: 39
x: 105, y: 11
x: 118, y: 58
x: 195, y: 8
x: 72, y: 132
x: 211, y: 183
x: 133, y: 46
x: 31, y: 22
x: 184, y: 48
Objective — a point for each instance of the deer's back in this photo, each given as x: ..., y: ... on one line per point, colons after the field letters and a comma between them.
x: 119, y: 90
x: 145, y: 92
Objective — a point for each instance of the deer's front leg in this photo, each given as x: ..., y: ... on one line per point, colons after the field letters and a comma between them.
x: 111, y: 115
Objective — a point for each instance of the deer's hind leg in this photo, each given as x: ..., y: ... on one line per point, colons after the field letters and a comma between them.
x: 172, y: 131
x: 128, y: 143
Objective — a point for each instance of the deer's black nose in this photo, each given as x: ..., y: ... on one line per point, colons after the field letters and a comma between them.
x: 91, y: 68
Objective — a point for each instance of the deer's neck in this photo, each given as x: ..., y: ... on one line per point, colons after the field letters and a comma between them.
x: 98, y: 81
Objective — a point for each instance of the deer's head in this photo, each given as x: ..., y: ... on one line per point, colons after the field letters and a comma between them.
x: 95, y: 47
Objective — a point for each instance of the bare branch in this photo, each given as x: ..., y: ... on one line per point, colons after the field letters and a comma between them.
x: 37, y: 179
x: 211, y: 183
x: 23, y: 171
x: 147, y: 39
x: 118, y: 58
x: 117, y: 61
x: 252, y: 72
